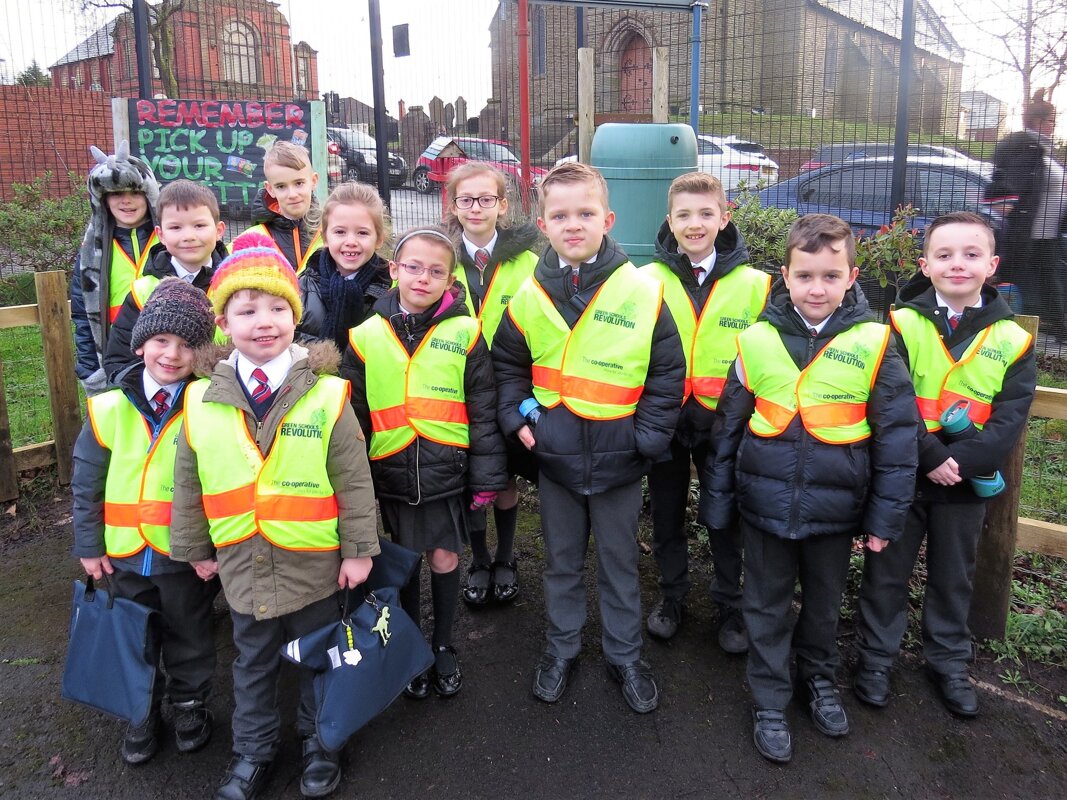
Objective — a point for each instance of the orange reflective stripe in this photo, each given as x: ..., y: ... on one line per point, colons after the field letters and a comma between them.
x: 437, y: 410
x: 709, y: 387
x: 687, y: 389
x: 978, y: 412
x: 831, y: 415
x: 131, y: 515
x: 778, y: 417
x: 599, y: 392
x: 113, y: 312
x: 389, y: 418
x: 928, y: 407
x: 230, y: 503
x: 547, y: 378
x: 287, y: 508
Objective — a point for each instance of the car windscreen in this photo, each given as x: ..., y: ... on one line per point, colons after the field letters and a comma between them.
x: 357, y: 140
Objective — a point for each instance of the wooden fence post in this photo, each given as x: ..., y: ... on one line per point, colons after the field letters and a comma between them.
x: 996, y: 547
x: 9, y: 477
x: 586, y: 101
x: 54, y: 313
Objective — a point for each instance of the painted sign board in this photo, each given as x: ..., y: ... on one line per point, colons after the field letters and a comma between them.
x: 220, y: 143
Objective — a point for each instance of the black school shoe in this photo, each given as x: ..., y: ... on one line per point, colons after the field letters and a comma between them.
x: 505, y: 581
x: 871, y: 685
x: 733, y: 635
x: 551, y: 676
x: 419, y: 688
x: 447, y: 677
x: 141, y: 742
x: 322, y: 769
x: 665, y: 618
x: 637, y: 684
x: 770, y: 734
x: 824, y: 703
x: 193, y: 724
x: 956, y: 692
x: 244, y: 779
x: 479, y: 584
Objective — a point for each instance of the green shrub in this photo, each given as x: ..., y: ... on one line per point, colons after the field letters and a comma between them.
x: 41, y: 232
x: 891, y: 254
x: 18, y: 290
x: 764, y: 229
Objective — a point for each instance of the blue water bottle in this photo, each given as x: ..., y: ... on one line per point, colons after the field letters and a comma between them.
x: 530, y: 410
x: 957, y: 425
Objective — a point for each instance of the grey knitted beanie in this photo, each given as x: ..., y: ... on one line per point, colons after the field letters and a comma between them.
x: 175, y: 307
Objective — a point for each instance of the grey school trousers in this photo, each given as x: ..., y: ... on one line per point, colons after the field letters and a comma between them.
x: 567, y: 519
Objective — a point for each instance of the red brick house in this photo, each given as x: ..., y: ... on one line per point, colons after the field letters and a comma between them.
x: 222, y: 48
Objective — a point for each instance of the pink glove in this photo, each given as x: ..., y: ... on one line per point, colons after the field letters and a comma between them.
x: 482, y: 500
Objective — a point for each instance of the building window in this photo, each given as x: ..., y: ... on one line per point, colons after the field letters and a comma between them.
x: 829, y: 70
x: 303, y: 74
x: 540, y: 37
x: 239, y: 59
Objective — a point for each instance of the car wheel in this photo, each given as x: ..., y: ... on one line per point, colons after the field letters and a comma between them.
x: 421, y: 179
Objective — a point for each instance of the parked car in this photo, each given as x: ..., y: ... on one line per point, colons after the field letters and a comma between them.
x: 471, y: 149
x: 858, y: 191
x: 359, y: 154
x: 729, y: 159
x: 849, y: 151
x: 733, y: 161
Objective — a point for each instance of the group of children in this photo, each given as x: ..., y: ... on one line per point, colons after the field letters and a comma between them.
x: 469, y: 360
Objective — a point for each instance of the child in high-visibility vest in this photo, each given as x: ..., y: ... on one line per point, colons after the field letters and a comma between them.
x: 272, y: 492
x: 495, y: 258
x: 123, y: 193
x: 588, y: 343
x: 818, y: 446
x: 122, y: 485
x: 286, y: 208
x: 342, y: 283
x: 422, y: 388
x: 957, y: 334
x: 190, y: 247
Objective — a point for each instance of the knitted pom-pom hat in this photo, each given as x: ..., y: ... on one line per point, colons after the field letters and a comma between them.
x: 174, y: 307
x: 255, y: 263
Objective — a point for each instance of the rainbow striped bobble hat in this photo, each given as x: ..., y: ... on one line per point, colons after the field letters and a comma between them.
x: 255, y: 263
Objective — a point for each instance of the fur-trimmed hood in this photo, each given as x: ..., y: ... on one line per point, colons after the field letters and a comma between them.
x: 120, y: 172
x: 323, y: 358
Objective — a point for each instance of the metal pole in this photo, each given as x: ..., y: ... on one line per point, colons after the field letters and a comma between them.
x: 524, y: 98
x: 143, y: 46
x: 579, y: 26
x: 694, y: 68
x: 900, y: 142
x: 378, y: 80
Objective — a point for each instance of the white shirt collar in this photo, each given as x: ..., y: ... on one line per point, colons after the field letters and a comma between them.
x: 151, y: 386
x: 277, y: 369
x: 182, y: 272
x: 568, y: 265
x: 472, y: 248
x: 943, y: 303
x: 817, y: 326
x: 707, y: 264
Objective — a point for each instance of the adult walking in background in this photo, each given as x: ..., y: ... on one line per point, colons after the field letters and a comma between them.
x: 1028, y: 182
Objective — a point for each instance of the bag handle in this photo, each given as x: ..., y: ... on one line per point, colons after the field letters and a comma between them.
x: 346, y: 599
x: 90, y: 590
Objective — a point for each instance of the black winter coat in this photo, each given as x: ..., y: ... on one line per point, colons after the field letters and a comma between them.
x: 91, y: 463
x: 988, y: 450
x: 590, y: 457
x: 119, y: 355
x: 315, y: 312
x: 695, y: 424
x: 510, y: 243
x: 426, y: 470
x: 793, y: 485
x: 265, y: 212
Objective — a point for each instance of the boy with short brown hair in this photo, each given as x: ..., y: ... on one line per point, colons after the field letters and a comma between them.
x: 961, y: 343
x: 713, y: 295
x: 817, y: 447
x: 588, y: 341
x: 285, y: 524
x: 190, y: 234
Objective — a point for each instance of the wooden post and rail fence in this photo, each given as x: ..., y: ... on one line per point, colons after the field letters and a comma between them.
x: 1004, y: 531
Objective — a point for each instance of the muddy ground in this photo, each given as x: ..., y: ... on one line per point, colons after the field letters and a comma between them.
x: 495, y: 740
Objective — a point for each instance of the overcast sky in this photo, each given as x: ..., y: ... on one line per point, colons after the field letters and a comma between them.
x: 449, y: 42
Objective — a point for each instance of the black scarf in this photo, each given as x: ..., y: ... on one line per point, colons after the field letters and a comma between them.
x: 343, y: 300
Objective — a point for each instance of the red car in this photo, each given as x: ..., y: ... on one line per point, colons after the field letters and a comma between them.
x: 496, y: 153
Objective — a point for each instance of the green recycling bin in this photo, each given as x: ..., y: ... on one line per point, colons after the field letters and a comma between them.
x: 639, y: 161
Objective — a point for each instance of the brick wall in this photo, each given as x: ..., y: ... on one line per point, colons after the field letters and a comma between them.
x: 42, y: 129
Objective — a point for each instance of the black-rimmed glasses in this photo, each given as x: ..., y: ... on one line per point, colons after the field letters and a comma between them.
x: 464, y: 201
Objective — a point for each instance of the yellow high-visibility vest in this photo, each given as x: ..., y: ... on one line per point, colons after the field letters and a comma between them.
x: 286, y: 497
x: 710, y: 342
x: 978, y: 376
x: 418, y: 395
x: 509, y: 276
x: 830, y: 394
x: 302, y: 258
x: 598, y: 368
x: 140, y: 477
x: 124, y: 271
